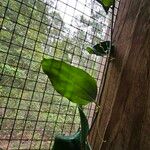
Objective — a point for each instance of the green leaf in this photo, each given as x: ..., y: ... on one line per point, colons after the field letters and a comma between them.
x: 71, y: 82
x: 100, y: 49
x: 106, y: 4
x: 71, y: 142
x: 90, y: 50
x: 105, y: 45
x: 84, y: 126
x: 78, y: 141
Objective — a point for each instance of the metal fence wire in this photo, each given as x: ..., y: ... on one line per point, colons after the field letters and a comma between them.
x: 31, y: 111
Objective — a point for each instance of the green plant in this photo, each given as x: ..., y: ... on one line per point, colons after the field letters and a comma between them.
x: 106, y: 4
x: 106, y: 47
x: 78, y: 87
x: 101, y: 49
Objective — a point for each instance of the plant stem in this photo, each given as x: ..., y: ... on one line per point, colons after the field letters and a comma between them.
x: 109, y: 59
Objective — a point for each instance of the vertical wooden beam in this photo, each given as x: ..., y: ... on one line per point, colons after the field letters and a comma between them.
x: 124, y: 121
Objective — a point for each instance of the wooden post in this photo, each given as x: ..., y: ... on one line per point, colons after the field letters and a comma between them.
x: 124, y: 121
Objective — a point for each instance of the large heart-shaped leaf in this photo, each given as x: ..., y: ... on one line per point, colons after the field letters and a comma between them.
x: 71, y: 82
x: 106, y: 4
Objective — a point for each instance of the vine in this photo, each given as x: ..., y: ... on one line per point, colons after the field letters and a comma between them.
x: 78, y: 87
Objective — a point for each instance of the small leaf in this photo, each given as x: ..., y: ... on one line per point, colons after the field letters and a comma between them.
x: 71, y: 82
x: 100, y: 49
x: 105, y: 45
x: 84, y: 126
x: 90, y: 50
x: 106, y: 4
x: 71, y: 142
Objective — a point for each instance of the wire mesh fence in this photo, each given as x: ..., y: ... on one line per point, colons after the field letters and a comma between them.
x: 31, y: 111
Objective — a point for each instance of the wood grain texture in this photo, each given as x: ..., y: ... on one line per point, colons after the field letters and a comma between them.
x: 124, y: 120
